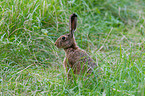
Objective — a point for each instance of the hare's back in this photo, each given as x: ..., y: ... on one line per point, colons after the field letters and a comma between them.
x: 80, y: 56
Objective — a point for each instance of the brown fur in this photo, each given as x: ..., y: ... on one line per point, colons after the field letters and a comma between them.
x: 76, y: 59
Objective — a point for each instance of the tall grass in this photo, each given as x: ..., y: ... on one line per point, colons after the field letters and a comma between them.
x: 112, y: 32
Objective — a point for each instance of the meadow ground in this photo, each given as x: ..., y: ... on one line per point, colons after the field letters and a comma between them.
x: 111, y: 31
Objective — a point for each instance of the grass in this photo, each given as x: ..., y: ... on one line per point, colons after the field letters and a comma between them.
x: 112, y: 32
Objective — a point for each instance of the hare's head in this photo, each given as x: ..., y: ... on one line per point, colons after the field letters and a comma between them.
x: 68, y: 40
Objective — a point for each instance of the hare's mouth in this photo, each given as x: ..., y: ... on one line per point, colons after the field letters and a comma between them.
x: 57, y: 45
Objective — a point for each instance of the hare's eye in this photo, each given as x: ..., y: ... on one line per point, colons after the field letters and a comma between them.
x: 63, y: 38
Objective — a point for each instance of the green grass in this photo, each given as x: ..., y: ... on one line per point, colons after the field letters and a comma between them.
x: 111, y: 31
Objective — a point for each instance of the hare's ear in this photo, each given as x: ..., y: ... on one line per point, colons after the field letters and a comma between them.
x: 72, y: 23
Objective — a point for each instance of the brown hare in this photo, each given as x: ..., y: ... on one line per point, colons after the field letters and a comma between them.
x: 76, y: 60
